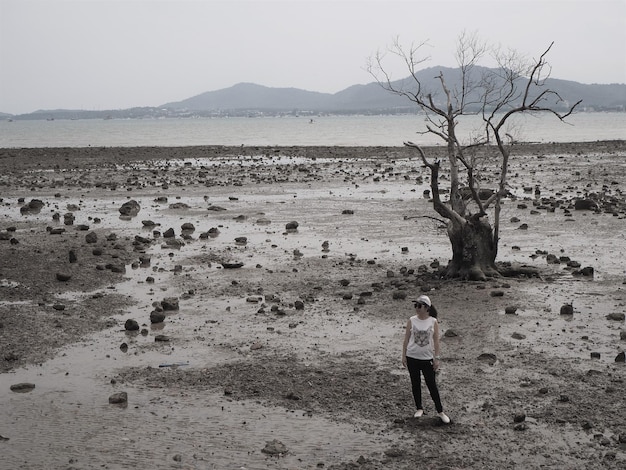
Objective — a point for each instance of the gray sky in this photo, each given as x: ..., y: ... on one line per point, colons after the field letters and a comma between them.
x: 110, y: 54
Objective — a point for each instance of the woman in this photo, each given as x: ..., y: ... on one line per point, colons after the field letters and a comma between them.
x: 420, y: 354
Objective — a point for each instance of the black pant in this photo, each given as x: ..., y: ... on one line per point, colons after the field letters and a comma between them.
x: 416, y: 366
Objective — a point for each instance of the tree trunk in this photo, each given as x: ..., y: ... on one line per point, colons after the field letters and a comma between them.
x: 473, y: 250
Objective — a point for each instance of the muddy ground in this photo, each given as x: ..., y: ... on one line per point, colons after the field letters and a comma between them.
x: 281, y: 349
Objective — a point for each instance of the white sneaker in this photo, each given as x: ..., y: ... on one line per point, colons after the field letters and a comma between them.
x: 418, y: 414
x: 443, y: 417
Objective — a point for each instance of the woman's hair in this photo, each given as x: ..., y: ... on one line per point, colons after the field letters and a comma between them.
x: 432, y: 311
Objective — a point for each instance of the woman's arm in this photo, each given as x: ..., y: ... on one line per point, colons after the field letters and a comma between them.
x: 436, y: 345
x: 407, y: 335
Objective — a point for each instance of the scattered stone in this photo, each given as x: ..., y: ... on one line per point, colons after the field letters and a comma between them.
x: 157, y: 317
x: 91, y: 237
x: 131, y: 325
x: 232, y: 265
x: 179, y: 205
x: 585, y: 205
x: 616, y: 316
x: 23, y: 387
x: 274, y: 447
x: 130, y: 208
x: 488, y: 358
x: 63, y: 277
x: 118, y: 398
x: 170, y: 303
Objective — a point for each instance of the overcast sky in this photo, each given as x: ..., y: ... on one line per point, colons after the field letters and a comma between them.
x: 111, y: 54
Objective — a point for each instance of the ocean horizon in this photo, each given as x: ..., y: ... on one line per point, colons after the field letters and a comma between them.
x: 355, y: 130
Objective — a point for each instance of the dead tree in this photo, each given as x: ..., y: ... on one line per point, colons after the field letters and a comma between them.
x: 514, y: 87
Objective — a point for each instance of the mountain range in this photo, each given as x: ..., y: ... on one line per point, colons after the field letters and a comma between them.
x: 245, y: 99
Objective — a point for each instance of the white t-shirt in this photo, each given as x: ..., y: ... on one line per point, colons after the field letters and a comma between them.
x: 421, y: 344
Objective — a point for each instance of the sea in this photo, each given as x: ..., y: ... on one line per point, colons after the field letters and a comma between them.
x: 332, y: 130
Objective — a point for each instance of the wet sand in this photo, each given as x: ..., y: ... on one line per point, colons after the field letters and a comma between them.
x: 299, y: 347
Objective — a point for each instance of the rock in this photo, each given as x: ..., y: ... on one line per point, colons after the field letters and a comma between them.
x: 170, y: 303
x: 299, y: 305
x: 91, y: 237
x: 124, y: 347
x: 63, y: 277
x: 157, y: 317
x: 131, y: 325
x: 615, y: 316
x: 274, y: 447
x: 622, y: 335
x: 179, y: 205
x: 488, y: 358
x: 292, y: 226
x: 161, y: 339
x: 232, y: 265
x: 130, y: 208
x: 518, y: 336
x: 33, y: 206
x: 72, y: 256
x: 450, y: 334
x: 22, y: 387
x: 241, y: 240
x: 255, y: 346
x: 68, y: 219
x: 510, y: 310
x: 519, y: 417
x: 496, y: 293
x: 585, y: 205
x: 621, y: 357
x: 169, y: 233
x: 567, y: 309
x: 118, y: 398
x: 188, y: 227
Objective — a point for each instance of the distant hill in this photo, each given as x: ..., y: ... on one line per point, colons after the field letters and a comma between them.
x: 373, y: 98
x: 252, y: 99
